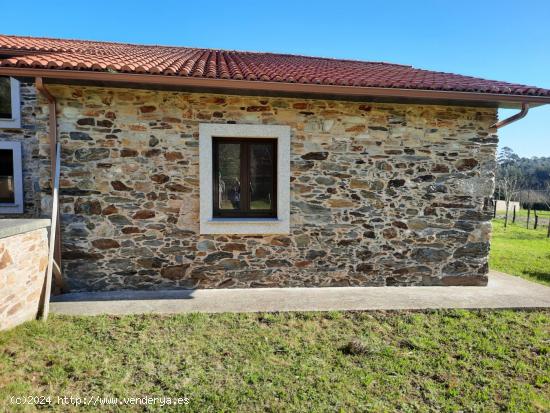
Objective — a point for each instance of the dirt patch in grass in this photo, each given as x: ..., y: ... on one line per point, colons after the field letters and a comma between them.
x: 337, y: 361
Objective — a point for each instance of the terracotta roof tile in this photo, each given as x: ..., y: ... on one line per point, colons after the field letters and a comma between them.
x: 60, y: 54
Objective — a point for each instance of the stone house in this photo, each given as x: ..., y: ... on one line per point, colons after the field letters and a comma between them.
x: 195, y: 168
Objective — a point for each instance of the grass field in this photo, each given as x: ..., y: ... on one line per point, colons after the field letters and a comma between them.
x: 521, y: 218
x: 523, y: 213
x: 439, y: 361
x: 444, y: 361
x: 519, y: 251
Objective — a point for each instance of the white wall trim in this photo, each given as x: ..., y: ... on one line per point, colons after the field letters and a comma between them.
x: 210, y: 225
x: 17, y: 206
x: 15, y: 121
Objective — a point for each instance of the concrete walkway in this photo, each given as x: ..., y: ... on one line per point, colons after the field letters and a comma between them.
x: 503, y: 291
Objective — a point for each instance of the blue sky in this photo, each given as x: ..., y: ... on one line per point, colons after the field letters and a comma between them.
x: 501, y: 40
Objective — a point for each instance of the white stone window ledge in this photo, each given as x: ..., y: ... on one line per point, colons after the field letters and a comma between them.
x: 245, y: 226
x: 245, y: 221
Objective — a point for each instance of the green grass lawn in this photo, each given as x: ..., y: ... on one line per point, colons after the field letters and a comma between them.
x: 523, y: 213
x: 520, y: 251
x: 542, y: 214
x: 521, y: 218
x: 439, y: 361
x: 443, y: 361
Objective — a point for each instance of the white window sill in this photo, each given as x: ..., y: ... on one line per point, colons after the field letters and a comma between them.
x: 10, y: 124
x: 11, y: 208
x: 245, y: 226
x: 245, y: 221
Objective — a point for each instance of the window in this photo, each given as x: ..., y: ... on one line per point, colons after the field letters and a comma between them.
x: 5, y: 98
x: 244, y: 179
x: 10, y: 116
x: 11, y: 181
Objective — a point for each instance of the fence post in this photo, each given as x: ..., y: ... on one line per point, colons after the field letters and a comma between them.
x: 514, y: 215
x: 536, y: 219
x: 495, y: 208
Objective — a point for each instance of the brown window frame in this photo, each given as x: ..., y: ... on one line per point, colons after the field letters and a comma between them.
x: 244, y: 211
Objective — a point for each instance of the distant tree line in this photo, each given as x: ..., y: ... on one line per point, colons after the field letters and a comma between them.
x: 526, y: 180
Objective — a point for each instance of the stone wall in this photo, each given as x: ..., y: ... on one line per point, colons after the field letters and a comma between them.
x: 23, y: 262
x: 382, y: 194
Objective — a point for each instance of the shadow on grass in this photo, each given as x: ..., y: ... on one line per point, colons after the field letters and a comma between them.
x: 542, y: 276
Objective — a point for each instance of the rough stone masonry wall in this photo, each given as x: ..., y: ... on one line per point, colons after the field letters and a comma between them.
x: 382, y: 194
x: 23, y: 262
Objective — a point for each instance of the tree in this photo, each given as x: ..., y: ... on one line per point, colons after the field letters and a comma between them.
x: 547, y: 202
x: 508, y: 177
x: 534, y: 177
x: 507, y: 156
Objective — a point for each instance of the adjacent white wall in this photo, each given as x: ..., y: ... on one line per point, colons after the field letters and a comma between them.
x: 501, y: 206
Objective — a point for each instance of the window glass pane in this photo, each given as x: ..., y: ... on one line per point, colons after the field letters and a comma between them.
x: 5, y: 98
x: 229, y: 176
x: 7, y: 194
x: 261, y: 176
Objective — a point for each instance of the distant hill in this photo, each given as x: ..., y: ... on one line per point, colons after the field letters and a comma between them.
x: 535, y: 172
x: 533, y: 177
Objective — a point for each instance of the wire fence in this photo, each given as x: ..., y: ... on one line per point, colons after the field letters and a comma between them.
x: 530, y: 218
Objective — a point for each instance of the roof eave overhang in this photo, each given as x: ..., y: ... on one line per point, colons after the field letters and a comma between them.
x: 297, y: 89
